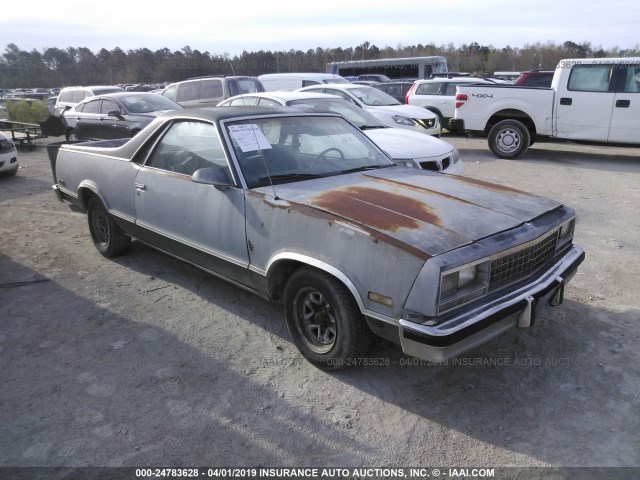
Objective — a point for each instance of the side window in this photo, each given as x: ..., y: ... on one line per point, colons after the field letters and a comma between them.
x: 589, y: 78
x: 92, y: 107
x: 188, y: 91
x: 428, y: 89
x: 109, y: 106
x: 210, y: 89
x: 450, y: 89
x: 267, y: 102
x: 308, y: 83
x: 243, y: 101
x: 632, y: 79
x: 170, y: 92
x: 187, y: 147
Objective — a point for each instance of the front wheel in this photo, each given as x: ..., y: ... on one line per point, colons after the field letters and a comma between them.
x: 107, y: 236
x: 324, y: 320
x: 509, y: 139
x: 72, y: 135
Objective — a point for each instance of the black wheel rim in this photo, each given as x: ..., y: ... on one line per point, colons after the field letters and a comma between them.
x: 316, y: 320
x: 100, y: 226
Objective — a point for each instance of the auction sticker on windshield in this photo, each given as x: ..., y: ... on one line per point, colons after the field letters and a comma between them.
x: 249, y: 137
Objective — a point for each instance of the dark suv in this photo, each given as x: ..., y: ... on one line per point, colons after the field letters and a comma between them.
x: 209, y: 91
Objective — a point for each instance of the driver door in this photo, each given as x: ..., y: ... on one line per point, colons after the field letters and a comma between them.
x: 200, y: 223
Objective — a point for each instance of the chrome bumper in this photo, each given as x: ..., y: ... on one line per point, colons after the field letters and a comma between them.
x: 480, y: 324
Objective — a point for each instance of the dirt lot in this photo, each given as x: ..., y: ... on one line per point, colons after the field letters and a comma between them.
x: 147, y: 361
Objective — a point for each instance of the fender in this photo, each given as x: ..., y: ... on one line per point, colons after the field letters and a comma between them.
x: 331, y: 270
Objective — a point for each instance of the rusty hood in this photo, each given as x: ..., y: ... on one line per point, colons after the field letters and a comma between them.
x: 428, y: 212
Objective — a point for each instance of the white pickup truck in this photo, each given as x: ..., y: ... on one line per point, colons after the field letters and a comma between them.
x: 590, y: 99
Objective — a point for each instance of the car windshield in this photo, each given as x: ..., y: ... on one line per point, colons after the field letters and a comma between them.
x: 356, y: 115
x: 148, y: 103
x: 292, y: 148
x: 373, y: 97
x: 335, y: 80
x: 239, y: 86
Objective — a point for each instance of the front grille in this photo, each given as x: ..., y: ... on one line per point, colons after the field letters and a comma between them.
x: 519, y: 265
x: 436, y: 165
x: 432, y: 166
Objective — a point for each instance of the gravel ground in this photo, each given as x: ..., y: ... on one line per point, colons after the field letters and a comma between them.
x: 147, y: 361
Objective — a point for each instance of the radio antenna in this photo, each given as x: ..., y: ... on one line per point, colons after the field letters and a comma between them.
x: 260, y: 151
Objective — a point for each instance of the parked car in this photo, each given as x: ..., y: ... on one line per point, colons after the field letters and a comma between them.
x: 535, y: 78
x: 8, y: 156
x: 51, y: 104
x: 396, y: 88
x: 439, y: 95
x: 301, y: 207
x: 71, y: 96
x: 200, y: 92
x: 382, y: 106
x: 114, y: 115
x: 405, y: 147
x: 590, y: 99
x: 277, y: 82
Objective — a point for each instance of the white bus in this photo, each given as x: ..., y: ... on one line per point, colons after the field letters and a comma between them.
x: 411, y: 67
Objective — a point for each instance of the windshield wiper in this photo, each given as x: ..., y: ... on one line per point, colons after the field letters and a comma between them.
x: 367, y: 167
x: 291, y: 176
x: 371, y: 127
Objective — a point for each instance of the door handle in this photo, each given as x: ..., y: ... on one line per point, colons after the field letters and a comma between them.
x: 623, y: 103
x: 140, y: 186
x: 566, y: 101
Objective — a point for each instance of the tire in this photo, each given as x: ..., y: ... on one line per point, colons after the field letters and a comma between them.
x: 72, y: 135
x: 107, y: 236
x: 324, y: 320
x: 509, y: 139
x: 9, y: 173
x: 440, y: 118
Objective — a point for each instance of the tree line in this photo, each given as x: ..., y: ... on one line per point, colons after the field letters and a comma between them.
x: 56, y: 67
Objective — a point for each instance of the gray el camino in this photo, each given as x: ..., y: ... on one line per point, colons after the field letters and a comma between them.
x: 302, y: 207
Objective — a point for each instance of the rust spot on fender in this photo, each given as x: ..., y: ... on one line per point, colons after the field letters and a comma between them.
x: 330, y: 217
x: 378, y: 209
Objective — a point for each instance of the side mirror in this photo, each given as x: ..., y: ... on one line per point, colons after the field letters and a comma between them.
x: 115, y: 113
x: 216, y: 176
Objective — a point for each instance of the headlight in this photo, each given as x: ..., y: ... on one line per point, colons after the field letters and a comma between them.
x: 455, y: 155
x: 565, y: 234
x: 464, y: 284
x: 399, y: 119
x: 405, y: 163
x: 6, y: 145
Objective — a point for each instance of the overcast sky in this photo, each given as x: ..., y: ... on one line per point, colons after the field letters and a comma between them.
x: 232, y: 27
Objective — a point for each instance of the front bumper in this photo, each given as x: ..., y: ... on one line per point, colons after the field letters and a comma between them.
x: 480, y: 324
x: 456, y: 125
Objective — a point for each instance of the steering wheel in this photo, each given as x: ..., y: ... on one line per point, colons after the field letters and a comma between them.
x: 323, y: 155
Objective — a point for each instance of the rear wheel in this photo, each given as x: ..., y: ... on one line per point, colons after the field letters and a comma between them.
x: 324, y: 320
x: 107, y: 236
x: 72, y: 135
x: 509, y: 139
